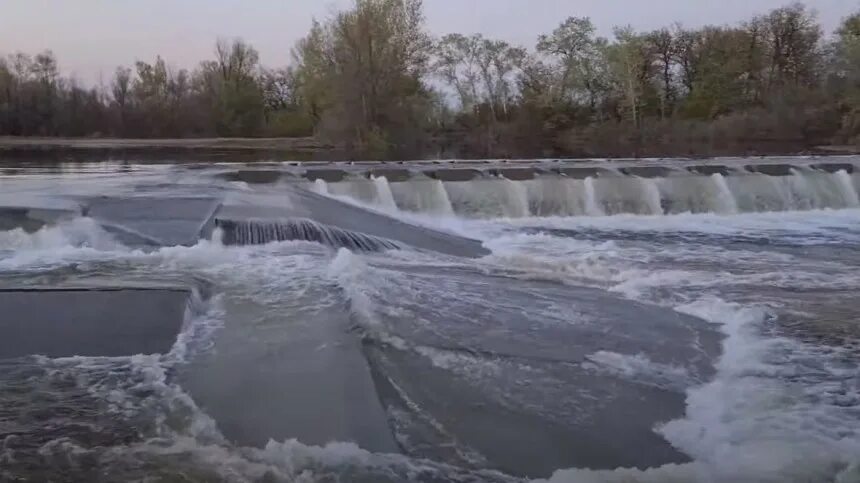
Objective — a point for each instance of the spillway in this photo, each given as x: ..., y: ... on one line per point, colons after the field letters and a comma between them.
x: 432, y: 321
x: 260, y: 232
x: 608, y: 191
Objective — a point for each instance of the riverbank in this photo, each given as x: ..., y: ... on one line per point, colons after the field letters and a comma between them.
x: 246, y: 149
x: 277, y: 148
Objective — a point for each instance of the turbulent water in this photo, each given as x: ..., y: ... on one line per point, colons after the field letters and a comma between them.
x: 618, y: 329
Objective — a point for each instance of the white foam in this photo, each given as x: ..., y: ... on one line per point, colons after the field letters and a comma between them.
x: 757, y: 415
x: 640, y: 368
x: 348, y: 269
x: 76, y: 239
x: 384, y: 196
x: 460, y: 362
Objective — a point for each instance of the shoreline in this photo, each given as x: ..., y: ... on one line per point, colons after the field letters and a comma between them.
x: 278, y: 149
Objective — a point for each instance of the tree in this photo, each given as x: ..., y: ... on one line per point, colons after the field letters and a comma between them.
x: 231, y: 86
x: 582, y: 65
x: 792, y: 36
x: 456, y: 62
x: 661, y: 43
x: 121, y: 92
x: 361, y: 74
x: 631, y: 65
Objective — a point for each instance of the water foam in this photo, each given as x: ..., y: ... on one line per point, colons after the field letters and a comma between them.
x: 779, y: 408
x: 613, y: 194
x: 641, y: 369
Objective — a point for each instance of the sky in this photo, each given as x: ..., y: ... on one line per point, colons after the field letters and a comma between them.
x: 92, y: 37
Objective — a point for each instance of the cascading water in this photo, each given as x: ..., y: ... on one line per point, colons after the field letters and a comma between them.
x: 357, y: 188
x: 320, y: 186
x: 823, y: 190
x: 423, y: 195
x: 846, y: 189
x: 516, y: 198
x: 261, y: 232
x: 384, y: 197
x: 618, y: 194
x: 713, y: 339
x: 488, y: 198
x: 555, y: 196
x: 740, y: 191
x: 697, y: 194
x: 591, y: 206
x: 652, y: 196
x: 725, y: 199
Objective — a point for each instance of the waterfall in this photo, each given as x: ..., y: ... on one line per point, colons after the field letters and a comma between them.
x: 725, y: 200
x: 592, y: 208
x: 680, y: 191
x: 260, y: 232
x: 758, y: 192
x: 627, y: 194
x: 320, y: 186
x: 685, y: 193
x: 652, y: 196
x: 357, y: 188
x: 846, y: 188
x: 384, y: 197
x: 803, y: 192
x: 487, y: 198
x: 555, y: 196
x: 374, y: 191
x: 826, y: 190
x: 422, y: 195
x: 516, y: 198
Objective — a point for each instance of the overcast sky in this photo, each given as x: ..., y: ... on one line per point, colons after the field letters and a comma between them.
x: 92, y: 37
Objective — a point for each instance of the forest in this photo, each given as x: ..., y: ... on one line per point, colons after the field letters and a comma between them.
x: 374, y: 82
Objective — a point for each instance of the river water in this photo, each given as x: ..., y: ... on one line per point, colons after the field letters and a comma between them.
x: 618, y: 330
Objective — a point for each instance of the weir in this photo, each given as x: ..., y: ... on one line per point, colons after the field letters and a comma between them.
x: 442, y: 360
x: 259, y: 232
x: 598, y: 188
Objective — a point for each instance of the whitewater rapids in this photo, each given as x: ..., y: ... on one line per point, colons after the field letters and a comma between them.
x: 471, y: 359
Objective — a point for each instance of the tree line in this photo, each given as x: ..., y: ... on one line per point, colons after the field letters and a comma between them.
x: 372, y: 81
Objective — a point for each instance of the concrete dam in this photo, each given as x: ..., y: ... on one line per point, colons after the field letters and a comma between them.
x: 427, y: 321
x: 558, y: 188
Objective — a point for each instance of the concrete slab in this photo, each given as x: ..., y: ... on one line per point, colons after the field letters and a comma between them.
x: 155, y: 221
x: 103, y: 322
x: 771, y: 169
x: 332, y: 175
x: 254, y: 176
x: 835, y: 167
x: 303, y: 369
x: 336, y: 213
x: 710, y: 169
x: 582, y: 172
x: 393, y: 175
x: 514, y: 174
x: 12, y: 218
x: 31, y: 215
x: 647, y: 171
x: 453, y: 174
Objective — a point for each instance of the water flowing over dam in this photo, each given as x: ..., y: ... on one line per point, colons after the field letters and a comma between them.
x: 505, y: 321
x: 542, y: 191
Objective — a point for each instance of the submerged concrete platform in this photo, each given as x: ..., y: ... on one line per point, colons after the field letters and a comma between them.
x: 93, y: 321
x: 345, y: 217
x: 155, y: 221
x: 282, y: 374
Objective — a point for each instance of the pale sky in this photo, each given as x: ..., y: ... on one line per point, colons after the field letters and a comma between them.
x: 92, y: 37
